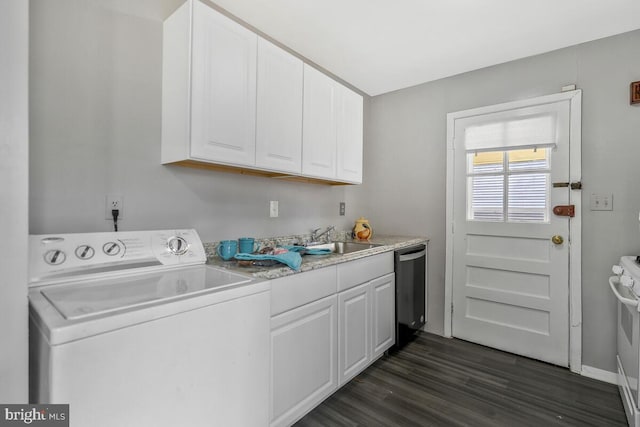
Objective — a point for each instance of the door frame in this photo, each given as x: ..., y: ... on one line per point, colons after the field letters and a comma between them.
x: 575, y: 224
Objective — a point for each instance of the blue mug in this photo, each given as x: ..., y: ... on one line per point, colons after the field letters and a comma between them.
x: 247, y: 245
x: 227, y: 249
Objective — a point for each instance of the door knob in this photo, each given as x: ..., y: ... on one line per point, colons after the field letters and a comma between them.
x: 557, y: 240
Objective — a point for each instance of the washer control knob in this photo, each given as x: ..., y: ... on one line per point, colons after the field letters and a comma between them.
x: 85, y: 252
x: 177, y: 245
x: 626, y: 281
x: 55, y: 257
x: 617, y: 270
x: 111, y: 248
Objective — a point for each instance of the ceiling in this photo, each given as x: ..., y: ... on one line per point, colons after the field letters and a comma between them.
x: 380, y: 46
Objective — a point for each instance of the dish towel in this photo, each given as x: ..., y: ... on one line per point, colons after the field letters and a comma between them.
x: 292, y: 259
x: 308, y: 251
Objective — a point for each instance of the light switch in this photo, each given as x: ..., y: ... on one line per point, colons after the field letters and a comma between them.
x: 601, y: 202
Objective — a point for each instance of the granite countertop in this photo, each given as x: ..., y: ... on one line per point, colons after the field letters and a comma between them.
x: 312, y: 262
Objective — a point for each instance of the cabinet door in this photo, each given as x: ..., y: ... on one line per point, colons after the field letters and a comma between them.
x: 279, y: 109
x: 349, y: 135
x: 223, y: 91
x: 354, y: 332
x: 319, y: 125
x: 383, y: 292
x: 303, y: 359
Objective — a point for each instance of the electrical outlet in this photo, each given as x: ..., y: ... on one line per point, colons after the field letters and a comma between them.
x: 342, y: 208
x: 273, y: 209
x: 113, y: 201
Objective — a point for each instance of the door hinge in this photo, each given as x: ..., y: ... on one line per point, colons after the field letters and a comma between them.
x: 452, y: 309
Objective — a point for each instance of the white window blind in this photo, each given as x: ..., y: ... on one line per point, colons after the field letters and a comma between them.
x: 508, y: 185
x: 514, y: 133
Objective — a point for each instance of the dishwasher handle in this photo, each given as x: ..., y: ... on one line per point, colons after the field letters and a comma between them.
x: 412, y: 256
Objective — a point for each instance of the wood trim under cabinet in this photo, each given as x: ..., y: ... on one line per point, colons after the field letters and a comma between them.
x: 254, y: 172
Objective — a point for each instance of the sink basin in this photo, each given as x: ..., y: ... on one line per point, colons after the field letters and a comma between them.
x: 344, y: 247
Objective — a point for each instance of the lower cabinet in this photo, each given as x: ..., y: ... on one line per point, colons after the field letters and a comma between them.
x: 354, y: 321
x: 327, y: 326
x: 303, y: 359
x: 383, y: 314
x: 366, y: 323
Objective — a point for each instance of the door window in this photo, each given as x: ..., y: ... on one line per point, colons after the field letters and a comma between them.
x: 510, y: 185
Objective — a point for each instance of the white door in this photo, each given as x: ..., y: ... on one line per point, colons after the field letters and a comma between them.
x: 279, y: 109
x: 510, y: 255
x: 223, y: 88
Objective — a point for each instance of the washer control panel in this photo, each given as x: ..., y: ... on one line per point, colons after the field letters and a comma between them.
x: 56, y: 257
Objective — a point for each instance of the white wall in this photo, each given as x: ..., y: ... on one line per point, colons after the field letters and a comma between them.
x: 14, y: 33
x: 95, y: 130
x: 405, y: 158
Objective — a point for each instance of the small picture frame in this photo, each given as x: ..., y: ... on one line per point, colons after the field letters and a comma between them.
x: 635, y: 93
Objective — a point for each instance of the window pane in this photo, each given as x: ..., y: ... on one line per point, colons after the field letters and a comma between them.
x: 528, y: 159
x: 485, y: 162
x: 528, y: 197
x: 486, y: 198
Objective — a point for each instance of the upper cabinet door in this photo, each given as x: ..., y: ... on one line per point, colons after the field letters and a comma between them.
x: 319, y: 125
x: 279, y: 114
x: 223, y: 71
x: 349, y: 135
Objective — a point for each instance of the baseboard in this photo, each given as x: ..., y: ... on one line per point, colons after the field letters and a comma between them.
x: 599, y: 374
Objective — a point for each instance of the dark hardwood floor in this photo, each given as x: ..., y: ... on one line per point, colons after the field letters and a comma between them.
x: 436, y: 381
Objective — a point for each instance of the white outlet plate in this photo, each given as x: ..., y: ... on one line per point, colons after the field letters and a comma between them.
x: 601, y: 202
x: 113, y: 201
x: 273, y: 209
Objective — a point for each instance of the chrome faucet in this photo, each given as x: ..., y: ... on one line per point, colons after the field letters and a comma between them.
x: 316, y: 237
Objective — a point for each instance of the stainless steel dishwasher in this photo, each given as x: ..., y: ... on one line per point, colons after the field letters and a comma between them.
x: 410, y: 268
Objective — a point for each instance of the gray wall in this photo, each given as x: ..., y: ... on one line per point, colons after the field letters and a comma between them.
x: 14, y: 140
x: 404, y: 190
x: 95, y: 130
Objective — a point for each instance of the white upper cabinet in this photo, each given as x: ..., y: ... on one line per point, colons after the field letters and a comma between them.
x: 332, y: 129
x: 279, y: 114
x: 319, y: 125
x: 234, y: 99
x: 223, y: 115
x: 349, y: 136
x: 209, y: 88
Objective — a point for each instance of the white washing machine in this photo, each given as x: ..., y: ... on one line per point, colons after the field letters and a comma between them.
x: 133, y: 329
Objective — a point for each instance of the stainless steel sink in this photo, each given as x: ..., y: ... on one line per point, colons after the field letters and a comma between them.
x: 343, y: 247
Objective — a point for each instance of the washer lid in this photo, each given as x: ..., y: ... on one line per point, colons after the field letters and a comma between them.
x: 80, y: 300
